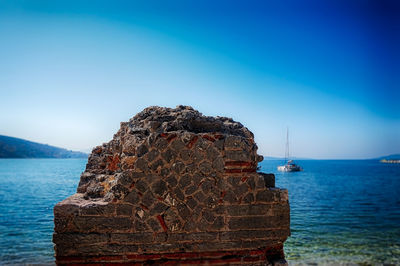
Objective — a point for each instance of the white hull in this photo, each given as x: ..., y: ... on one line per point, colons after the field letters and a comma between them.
x: 289, y: 168
x: 282, y: 168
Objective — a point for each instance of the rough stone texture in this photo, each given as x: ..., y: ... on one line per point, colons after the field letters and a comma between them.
x: 174, y: 186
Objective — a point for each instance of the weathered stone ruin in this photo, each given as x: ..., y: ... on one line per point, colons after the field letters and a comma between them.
x: 174, y: 186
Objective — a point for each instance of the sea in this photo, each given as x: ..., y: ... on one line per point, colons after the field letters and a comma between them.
x: 342, y: 211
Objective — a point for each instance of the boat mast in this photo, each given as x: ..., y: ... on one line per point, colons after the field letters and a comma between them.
x: 287, y: 145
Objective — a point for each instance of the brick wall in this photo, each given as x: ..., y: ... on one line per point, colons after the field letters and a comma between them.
x: 172, y: 189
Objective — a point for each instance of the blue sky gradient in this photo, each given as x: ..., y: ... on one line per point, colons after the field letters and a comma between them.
x: 70, y: 71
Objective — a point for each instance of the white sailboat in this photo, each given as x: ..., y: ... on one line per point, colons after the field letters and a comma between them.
x: 289, y: 166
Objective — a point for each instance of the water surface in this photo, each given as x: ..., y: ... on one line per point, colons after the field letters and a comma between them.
x: 341, y: 211
x: 29, y: 189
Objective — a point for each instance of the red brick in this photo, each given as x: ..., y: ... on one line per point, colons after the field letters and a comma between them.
x: 162, y: 223
x: 233, y: 171
x: 207, y: 137
x: 249, y: 170
x: 144, y: 207
x: 218, y: 136
x: 171, y: 137
x: 143, y: 257
x: 107, y: 258
x: 192, y: 142
x: 243, y: 179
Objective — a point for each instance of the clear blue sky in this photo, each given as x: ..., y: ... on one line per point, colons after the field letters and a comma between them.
x: 70, y: 71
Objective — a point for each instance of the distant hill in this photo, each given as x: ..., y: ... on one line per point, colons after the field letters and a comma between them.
x: 19, y: 148
x: 389, y: 157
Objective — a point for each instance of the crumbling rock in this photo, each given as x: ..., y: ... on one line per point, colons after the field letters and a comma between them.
x: 174, y: 185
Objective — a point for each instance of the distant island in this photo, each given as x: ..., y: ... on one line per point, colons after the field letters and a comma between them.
x: 393, y: 158
x: 389, y: 161
x: 19, y: 148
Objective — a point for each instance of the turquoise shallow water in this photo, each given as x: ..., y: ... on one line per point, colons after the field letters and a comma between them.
x: 29, y: 189
x: 341, y: 211
x: 345, y: 211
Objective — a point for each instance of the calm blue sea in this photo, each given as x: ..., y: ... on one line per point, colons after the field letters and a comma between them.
x: 341, y: 211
